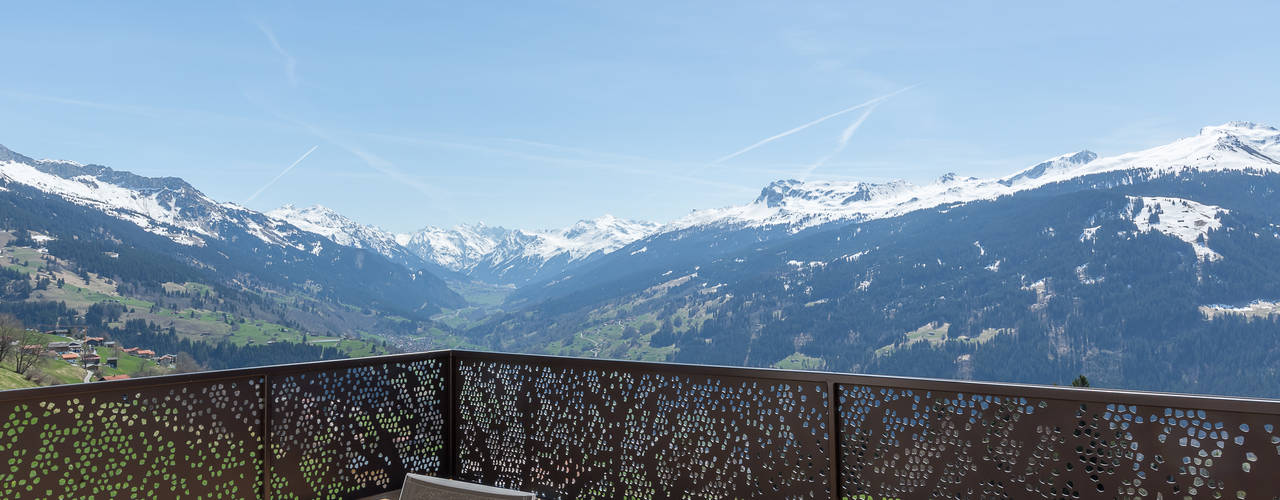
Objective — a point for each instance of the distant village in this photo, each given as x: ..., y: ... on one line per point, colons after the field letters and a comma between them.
x: 82, y: 351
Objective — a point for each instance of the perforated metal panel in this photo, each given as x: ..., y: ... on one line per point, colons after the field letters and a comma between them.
x: 573, y: 428
x: 567, y: 432
x: 200, y: 439
x: 341, y: 433
x: 902, y: 443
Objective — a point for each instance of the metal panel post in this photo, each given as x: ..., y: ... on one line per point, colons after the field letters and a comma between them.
x: 450, y: 462
x: 266, y: 436
x: 833, y: 435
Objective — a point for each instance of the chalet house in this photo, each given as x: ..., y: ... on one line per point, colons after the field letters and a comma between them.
x: 75, y: 345
x: 91, y: 360
x: 70, y: 357
x: 94, y: 341
x: 115, y: 377
x: 167, y: 360
x: 59, y: 347
x: 108, y: 343
x: 130, y: 350
x: 145, y: 353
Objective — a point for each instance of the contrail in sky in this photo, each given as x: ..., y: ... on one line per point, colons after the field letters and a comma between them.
x: 767, y: 140
x: 285, y: 171
x: 290, y: 64
x: 844, y: 141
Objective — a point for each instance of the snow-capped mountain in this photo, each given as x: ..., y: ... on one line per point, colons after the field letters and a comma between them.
x: 800, y: 205
x: 326, y: 222
x: 518, y: 256
x: 225, y: 242
x: 459, y: 249
x: 1124, y: 267
x: 166, y: 206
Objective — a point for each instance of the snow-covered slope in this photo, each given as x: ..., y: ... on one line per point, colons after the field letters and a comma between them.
x: 799, y: 205
x: 586, y: 237
x: 196, y: 237
x: 458, y: 249
x: 1186, y: 220
x: 167, y: 206
x: 517, y: 255
x: 344, y: 231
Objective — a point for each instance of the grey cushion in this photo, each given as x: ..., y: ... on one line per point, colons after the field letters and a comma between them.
x: 419, y: 487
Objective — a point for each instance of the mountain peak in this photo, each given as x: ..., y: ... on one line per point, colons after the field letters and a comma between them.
x: 1055, y: 165
x: 952, y: 178
x: 7, y: 154
x: 321, y: 220
x: 517, y: 255
x: 1238, y: 126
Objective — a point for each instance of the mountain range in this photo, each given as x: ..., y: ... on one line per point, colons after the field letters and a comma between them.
x: 1153, y: 269
x: 1132, y: 269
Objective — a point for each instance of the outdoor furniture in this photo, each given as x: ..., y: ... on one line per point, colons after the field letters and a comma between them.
x: 420, y: 487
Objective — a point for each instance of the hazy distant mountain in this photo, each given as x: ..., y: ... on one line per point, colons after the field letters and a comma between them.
x: 517, y: 256
x: 1133, y: 269
x: 344, y: 231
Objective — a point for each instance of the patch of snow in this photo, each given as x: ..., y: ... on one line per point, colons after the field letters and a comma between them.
x: 855, y: 256
x: 1255, y: 308
x: 1185, y: 220
x: 1089, y: 233
x: 641, y: 250
x: 338, y: 228
x: 152, y: 210
x: 1082, y: 274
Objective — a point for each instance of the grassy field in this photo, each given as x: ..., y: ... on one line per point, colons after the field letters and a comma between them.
x: 986, y: 335
x: 481, y: 294
x: 932, y: 333
x: 483, y: 301
x: 127, y: 364
x: 11, y: 380
x: 206, y: 325
x: 798, y: 361
x: 607, y: 340
x: 56, y: 369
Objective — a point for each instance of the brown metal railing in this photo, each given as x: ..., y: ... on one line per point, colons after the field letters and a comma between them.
x: 585, y: 428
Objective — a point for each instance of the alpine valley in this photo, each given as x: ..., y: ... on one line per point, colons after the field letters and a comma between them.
x: 1157, y: 269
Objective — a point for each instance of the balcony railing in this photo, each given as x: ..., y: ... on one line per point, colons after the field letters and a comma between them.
x: 583, y: 428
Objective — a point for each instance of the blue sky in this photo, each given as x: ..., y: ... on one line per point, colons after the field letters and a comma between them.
x: 536, y: 114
